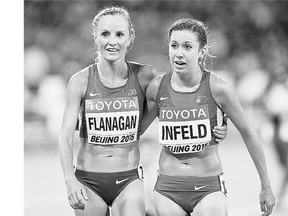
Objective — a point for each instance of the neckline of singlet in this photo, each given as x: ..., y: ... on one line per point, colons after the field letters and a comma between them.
x: 188, y: 92
x: 109, y: 89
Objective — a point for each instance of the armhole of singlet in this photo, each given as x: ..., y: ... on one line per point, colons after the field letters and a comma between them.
x: 159, y: 89
x: 90, y: 72
x: 136, y: 76
x: 209, y: 90
x: 82, y: 131
x: 210, y: 93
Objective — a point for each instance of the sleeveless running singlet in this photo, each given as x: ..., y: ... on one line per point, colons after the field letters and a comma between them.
x: 110, y: 116
x: 187, y: 118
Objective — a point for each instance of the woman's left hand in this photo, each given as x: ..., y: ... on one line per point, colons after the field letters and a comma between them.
x: 267, y: 201
x: 220, y: 132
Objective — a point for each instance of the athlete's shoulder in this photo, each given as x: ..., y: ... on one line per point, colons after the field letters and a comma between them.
x: 218, y: 83
x: 139, y: 67
x: 81, y: 75
x: 155, y: 83
x: 135, y: 66
x: 149, y: 72
x: 79, y: 80
x: 220, y: 88
x: 143, y: 69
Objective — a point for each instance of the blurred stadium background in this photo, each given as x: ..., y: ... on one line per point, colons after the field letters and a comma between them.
x: 250, y: 40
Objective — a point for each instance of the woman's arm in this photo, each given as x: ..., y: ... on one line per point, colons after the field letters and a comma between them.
x: 75, y: 91
x: 226, y: 97
x: 150, y: 107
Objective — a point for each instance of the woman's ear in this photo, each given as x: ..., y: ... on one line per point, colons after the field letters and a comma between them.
x: 95, y: 39
x: 203, y: 52
x: 131, y: 40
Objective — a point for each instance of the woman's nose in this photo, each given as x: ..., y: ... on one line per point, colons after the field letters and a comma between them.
x: 179, y: 55
x: 112, y: 41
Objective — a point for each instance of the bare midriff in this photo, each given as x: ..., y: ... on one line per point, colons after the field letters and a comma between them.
x: 201, y: 164
x: 107, y: 158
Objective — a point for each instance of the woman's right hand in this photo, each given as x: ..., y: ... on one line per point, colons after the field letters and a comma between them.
x: 77, y: 195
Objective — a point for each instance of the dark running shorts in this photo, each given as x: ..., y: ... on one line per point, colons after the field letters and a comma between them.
x: 188, y: 191
x: 107, y: 185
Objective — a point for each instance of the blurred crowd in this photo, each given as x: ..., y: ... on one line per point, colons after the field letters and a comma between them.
x: 249, y: 40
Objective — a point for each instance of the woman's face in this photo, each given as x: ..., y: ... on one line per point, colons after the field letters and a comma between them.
x: 113, y: 37
x: 184, y: 51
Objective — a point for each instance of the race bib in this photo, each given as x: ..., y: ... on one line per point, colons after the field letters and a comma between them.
x: 189, y: 148
x: 184, y: 126
x: 112, y: 120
